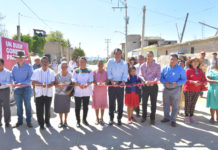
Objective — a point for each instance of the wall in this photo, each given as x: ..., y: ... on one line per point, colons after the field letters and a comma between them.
x: 56, y: 51
x: 208, y: 45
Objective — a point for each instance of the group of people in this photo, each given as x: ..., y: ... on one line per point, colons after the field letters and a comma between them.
x: 117, y: 83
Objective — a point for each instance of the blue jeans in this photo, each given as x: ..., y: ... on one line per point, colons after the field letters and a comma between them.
x: 20, y: 95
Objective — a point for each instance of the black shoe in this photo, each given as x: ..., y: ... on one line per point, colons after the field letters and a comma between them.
x: 60, y: 125
x: 119, y: 123
x: 165, y: 120
x: 29, y: 125
x: 78, y: 125
x: 137, y: 115
x: 143, y: 120
x: 65, y: 125
x: 152, y: 122
x: 42, y: 127
x: 111, y: 122
x: 85, y: 122
x: 7, y: 125
x: 17, y: 125
x: 48, y: 125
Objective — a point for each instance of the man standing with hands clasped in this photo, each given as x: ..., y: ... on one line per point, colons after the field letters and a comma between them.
x: 117, y: 71
x: 173, y: 77
x: 150, y: 73
x: 43, y: 79
x: 21, y: 75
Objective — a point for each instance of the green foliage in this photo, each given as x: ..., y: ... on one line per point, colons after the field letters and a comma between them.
x: 36, y: 43
x: 78, y: 52
x: 27, y: 39
x: 57, y: 36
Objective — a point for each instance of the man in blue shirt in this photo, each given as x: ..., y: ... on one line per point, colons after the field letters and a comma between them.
x: 117, y: 71
x: 173, y: 77
x: 21, y: 76
x: 5, y: 80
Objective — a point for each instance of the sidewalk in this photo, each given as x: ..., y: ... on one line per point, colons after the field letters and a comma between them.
x: 137, y: 136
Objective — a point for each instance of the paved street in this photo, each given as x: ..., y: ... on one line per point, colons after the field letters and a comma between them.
x: 137, y: 136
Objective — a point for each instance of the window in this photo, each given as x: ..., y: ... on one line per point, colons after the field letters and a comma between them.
x: 192, y: 50
x: 166, y: 52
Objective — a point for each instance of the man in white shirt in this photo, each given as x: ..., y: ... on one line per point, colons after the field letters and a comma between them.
x: 43, y: 79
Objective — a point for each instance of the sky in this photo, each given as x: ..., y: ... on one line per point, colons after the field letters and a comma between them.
x: 90, y: 22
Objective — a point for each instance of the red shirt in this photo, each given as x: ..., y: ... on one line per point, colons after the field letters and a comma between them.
x: 192, y: 75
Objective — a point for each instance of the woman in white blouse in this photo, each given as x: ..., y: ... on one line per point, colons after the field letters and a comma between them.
x: 83, y: 78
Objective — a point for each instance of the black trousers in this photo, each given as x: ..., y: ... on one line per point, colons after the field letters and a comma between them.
x: 116, y: 93
x: 78, y: 101
x: 137, y: 109
x: 43, y: 103
x: 151, y: 91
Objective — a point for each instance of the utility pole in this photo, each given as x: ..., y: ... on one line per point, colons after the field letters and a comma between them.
x: 143, y: 28
x: 126, y: 25
x: 184, y: 28
x: 178, y: 32
x: 107, y: 41
x: 18, y: 28
x: 210, y: 27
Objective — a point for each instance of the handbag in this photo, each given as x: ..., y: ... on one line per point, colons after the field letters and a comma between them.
x: 203, y: 87
x: 69, y: 88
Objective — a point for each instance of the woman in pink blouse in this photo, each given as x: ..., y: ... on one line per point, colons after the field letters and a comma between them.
x: 99, y: 98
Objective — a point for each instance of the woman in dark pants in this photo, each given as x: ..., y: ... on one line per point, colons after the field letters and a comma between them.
x: 83, y: 78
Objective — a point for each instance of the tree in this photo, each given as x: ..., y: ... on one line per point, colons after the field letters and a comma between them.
x: 78, y: 52
x: 3, y: 31
x: 57, y: 36
x: 38, y: 44
x: 27, y: 39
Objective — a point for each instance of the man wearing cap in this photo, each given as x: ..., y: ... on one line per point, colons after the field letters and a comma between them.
x: 37, y: 63
x: 5, y: 80
x: 43, y: 79
x: 21, y: 75
x: 173, y: 77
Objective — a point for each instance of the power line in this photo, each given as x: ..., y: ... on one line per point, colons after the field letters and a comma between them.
x: 66, y: 23
x: 35, y: 14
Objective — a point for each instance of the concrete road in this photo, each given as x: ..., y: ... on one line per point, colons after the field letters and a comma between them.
x: 136, y: 136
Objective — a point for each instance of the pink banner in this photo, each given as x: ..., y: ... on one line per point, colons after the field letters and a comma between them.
x: 9, y: 49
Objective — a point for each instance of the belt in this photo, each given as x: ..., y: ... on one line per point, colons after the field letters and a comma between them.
x: 172, y: 88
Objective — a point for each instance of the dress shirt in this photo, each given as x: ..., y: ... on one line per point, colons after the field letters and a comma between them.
x: 5, y: 78
x: 137, y: 66
x: 173, y: 74
x: 43, y: 77
x: 118, y: 71
x: 150, y: 73
x: 82, y: 77
x: 22, y: 74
